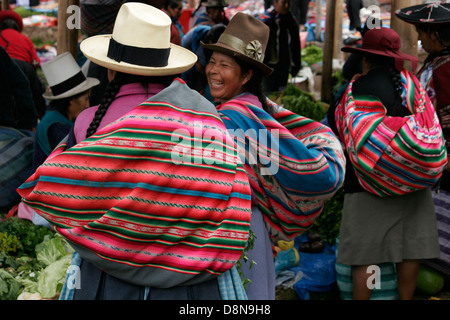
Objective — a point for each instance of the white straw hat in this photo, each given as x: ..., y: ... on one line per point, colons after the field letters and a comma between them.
x: 140, y: 44
x: 65, y: 78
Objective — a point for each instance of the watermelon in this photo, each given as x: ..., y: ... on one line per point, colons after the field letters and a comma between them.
x: 429, y: 280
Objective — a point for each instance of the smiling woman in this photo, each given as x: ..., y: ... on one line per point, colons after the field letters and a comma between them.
x: 225, y: 77
x: 288, y: 189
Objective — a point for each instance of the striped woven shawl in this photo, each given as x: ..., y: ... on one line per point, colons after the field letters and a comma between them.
x: 392, y: 155
x: 159, y: 197
x: 294, y: 164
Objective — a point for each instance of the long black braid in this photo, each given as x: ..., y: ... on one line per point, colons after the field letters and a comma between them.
x: 110, y: 93
x: 397, y: 109
x: 114, y: 87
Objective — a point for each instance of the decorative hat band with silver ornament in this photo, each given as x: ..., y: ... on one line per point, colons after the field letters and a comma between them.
x: 253, y: 49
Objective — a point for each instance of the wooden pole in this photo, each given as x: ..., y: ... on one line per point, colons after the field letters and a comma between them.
x: 331, y: 41
x: 5, y: 5
x: 408, y: 34
x: 67, y: 38
x: 337, y: 43
x: 318, y: 31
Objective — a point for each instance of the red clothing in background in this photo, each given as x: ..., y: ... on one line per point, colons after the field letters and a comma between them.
x: 19, y: 46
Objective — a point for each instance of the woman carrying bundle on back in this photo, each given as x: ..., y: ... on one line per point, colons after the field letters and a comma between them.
x: 151, y: 211
x: 395, y: 154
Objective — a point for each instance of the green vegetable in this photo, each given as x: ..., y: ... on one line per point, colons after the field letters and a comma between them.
x: 10, y: 288
x: 9, y: 244
x: 55, y: 256
x: 311, y: 55
x: 43, y: 272
x: 328, y: 223
x: 244, y: 258
x: 26, y: 232
x: 302, y: 103
x: 51, y: 279
x: 429, y: 281
x: 50, y: 250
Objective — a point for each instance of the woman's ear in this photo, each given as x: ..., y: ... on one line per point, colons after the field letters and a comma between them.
x: 246, y: 78
x: 111, y: 74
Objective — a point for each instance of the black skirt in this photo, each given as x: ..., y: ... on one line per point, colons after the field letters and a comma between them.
x: 95, y: 284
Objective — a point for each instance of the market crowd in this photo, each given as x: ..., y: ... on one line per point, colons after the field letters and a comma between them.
x: 91, y: 155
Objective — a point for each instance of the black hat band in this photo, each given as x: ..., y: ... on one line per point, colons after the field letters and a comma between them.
x: 68, y: 84
x: 147, y: 57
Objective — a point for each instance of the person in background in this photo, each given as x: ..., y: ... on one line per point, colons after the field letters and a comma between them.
x: 174, y: 9
x: 22, y: 51
x: 432, y: 22
x: 18, y: 45
x: 195, y: 77
x: 353, y: 10
x: 97, y: 17
x: 287, y: 194
x: 283, y: 53
x: 17, y: 106
x: 380, y: 223
x: 68, y: 94
x: 352, y: 65
x: 178, y: 225
x: 212, y: 14
x: 18, y: 121
x: 300, y: 11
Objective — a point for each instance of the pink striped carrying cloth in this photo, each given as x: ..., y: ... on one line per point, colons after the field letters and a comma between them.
x: 393, y: 155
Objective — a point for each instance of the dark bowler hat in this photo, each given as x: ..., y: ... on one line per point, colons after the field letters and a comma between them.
x: 437, y: 13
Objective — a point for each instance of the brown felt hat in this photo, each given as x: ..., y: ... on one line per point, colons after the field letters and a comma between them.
x: 244, y: 38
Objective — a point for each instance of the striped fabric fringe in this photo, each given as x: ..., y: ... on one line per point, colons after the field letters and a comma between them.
x: 441, y: 201
x: 294, y: 164
x: 393, y: 155
x: 387, y: 289
x: 137, y: 197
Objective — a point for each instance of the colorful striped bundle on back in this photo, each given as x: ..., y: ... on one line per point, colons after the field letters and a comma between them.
x: 294, y: 163
x: 393, y: 155
x: 159, y: 196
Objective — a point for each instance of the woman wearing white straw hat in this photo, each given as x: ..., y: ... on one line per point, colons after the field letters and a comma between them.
x: 68, y: 94
x: 149, y: 189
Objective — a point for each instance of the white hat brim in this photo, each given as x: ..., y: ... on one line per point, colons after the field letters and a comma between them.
x: 85, y: 85
x: 96, y: 48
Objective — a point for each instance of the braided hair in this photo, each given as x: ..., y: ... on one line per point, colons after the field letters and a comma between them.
x: 112, y: 90
x: 375, y: 61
